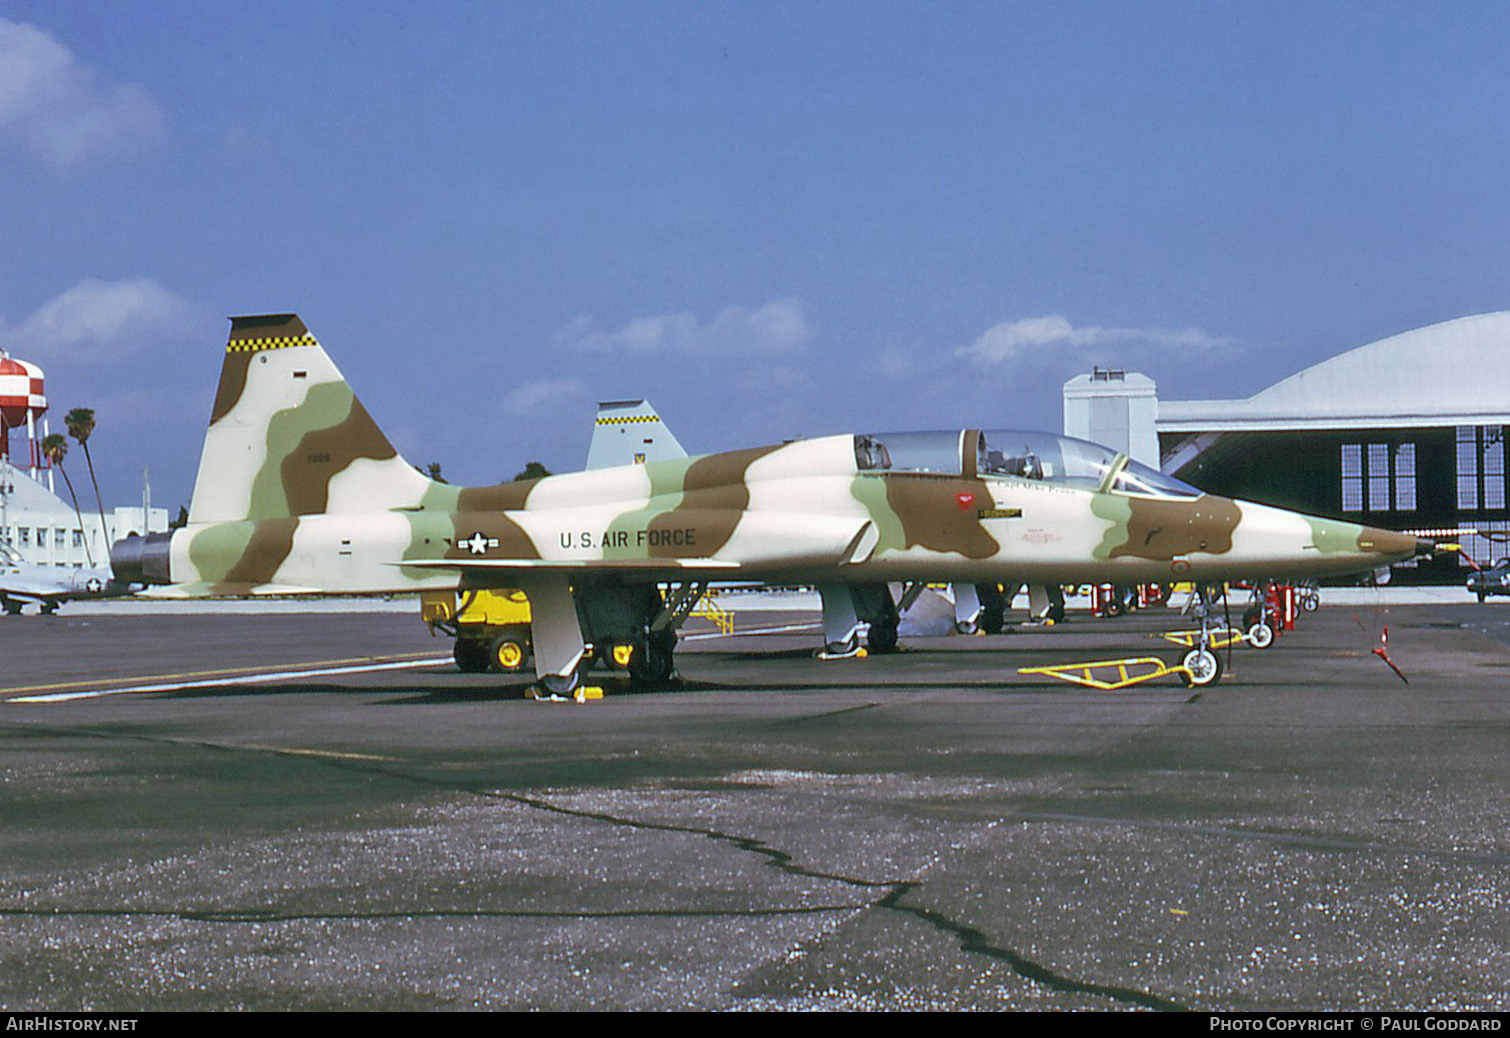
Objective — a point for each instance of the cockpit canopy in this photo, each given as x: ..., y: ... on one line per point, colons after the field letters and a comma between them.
x: 1014, y: 452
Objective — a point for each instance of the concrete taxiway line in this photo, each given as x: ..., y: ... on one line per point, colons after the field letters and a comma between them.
x: 243, y: 679
x: 64, y: 692
x: 59, y: 686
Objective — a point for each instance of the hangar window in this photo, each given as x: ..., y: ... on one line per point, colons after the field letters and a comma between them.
x: 1481, y: 467
x: 1405, y: 477
x: 1378, y: 477
x: 1352, y: 477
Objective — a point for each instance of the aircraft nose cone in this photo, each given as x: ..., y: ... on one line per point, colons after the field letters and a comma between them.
x: 1388, y: 542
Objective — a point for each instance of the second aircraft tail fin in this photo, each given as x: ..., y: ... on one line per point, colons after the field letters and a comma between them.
x: 629, y: 432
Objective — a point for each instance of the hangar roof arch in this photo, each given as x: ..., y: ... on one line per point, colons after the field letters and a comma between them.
x: 1453, y: 373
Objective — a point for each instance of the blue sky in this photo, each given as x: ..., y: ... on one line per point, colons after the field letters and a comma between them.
x: 772, y: 219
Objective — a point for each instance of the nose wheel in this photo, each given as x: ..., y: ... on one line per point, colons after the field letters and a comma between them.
x: 1204, y: 665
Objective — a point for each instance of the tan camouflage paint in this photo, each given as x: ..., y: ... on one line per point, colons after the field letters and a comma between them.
x: 937, y: 513
x: 300, y: 490
x: 1159, y: 528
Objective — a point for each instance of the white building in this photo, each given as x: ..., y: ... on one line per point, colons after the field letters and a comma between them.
x: 45, y: 530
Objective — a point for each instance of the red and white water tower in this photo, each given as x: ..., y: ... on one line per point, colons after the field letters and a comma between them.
x: 22, y: 402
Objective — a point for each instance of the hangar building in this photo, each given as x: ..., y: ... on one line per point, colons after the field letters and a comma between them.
x: 1406, y: 433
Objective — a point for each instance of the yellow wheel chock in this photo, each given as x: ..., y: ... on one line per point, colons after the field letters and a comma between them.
x: 1132, y: 671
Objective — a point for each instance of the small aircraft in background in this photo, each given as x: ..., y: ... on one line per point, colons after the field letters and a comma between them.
x: 25, y: 583
x: 299, y: 492
x: 47, y: 587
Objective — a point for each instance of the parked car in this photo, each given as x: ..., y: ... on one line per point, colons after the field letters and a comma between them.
x: 1492, y: 581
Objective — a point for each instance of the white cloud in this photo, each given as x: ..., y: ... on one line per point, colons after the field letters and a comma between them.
x: 780, y: 326
x: 58, y: 109
x: 1030, y: 338
x: 102, y: 321
x: 543, y: 394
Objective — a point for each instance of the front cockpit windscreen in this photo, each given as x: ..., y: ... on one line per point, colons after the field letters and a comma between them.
x: 1014, y: 452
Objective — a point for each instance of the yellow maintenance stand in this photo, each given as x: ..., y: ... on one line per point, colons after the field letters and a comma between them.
x: 491, y: 628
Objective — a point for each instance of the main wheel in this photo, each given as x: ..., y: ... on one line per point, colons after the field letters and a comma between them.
x: 882, y: 638
x: 653, y: 661
x: 1204, y: 666
x: 557, y: 686
x: 1260, y: 635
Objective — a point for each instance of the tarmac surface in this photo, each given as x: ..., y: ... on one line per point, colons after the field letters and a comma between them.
x: 225, y: 811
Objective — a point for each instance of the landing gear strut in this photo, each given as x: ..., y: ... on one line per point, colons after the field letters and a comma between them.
x: 653, y: 663
x: 1203, y: 664
x: 849, y: 607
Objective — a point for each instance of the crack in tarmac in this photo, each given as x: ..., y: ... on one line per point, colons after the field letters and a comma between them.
x: 254, y: 915
x: 971, y: 940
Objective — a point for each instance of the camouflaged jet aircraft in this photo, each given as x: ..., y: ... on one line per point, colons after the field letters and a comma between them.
x: 299, y: 492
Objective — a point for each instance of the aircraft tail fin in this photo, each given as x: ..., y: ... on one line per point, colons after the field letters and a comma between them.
x: 630, y: 432
x: 288, y: 437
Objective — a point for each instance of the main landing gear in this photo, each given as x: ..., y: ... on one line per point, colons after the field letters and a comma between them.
x: 631, y: 628
x: 847, y: 608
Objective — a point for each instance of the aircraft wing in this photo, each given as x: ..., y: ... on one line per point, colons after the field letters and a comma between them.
x: 570, y: 565
x: 47, y: 589
x: 203, y: 589
x: 18, y: 593
x: 807, y: 541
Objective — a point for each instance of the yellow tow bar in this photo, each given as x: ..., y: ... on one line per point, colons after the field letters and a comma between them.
x: 1128, y: 672
x: 1216, y: 638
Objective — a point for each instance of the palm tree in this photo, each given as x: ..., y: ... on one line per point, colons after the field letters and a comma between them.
x: 55, y: 448
x: 80, y: 422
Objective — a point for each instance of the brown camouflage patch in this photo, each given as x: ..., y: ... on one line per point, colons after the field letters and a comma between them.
x: 488, y: 535
x: 232, y: 382
x: 714, y: 498
x: 270, y: 544
x: 323, y: 453
x: 505, y: 497
x: 941, y: 514
x: 233, y: 371
x: 1164, y: 529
